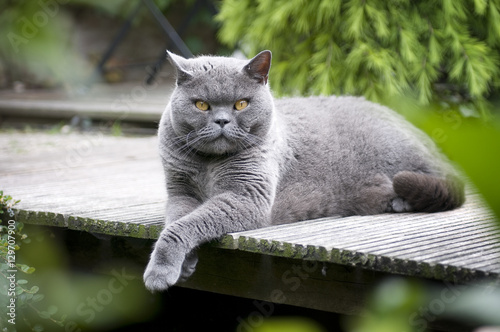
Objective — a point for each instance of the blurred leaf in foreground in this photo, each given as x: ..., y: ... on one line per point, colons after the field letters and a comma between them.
x: 389, y: 308
x: 475, y: 147
x: 281, y: 324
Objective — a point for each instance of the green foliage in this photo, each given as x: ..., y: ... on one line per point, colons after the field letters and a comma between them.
x: 283, y: 324
x: 434, y: 51
x: 473, y: 145
x: 53, y: 297
x: 27, y: 297
x: 6, y: 203
x: 116, y: 128
x: 389, y: 308
x: 399, y: 304
x: 36, y: 44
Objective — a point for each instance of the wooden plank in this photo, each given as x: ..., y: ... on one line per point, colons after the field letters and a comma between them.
x: 309, y: 284
x: 453, y: 245
x: 68, y: 109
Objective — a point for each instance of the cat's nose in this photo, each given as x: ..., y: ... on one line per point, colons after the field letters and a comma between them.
x: 222, y: 122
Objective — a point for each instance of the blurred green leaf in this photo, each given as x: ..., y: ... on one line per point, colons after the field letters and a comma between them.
x: 44, y: 314
x: 25, y: 268
x: 478, y: 304
x: 288, y: 324
x: 19, y: 290
x: 38, y: 297
x: 38, y: 328
x: 34, y: 289
x: 52, y: 310
x: 475, y: 147
x: 389, y: 308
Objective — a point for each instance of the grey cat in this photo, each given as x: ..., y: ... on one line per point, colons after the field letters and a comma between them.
x: 236, y: 159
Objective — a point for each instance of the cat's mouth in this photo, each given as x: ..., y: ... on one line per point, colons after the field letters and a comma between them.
x: 225, y: 135
x: 221, y: 140
x: 230, y: 133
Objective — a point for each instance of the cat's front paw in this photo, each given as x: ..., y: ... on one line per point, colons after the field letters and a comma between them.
x: 189, y: 266
x: 160, y: 277
x: 164, y: 268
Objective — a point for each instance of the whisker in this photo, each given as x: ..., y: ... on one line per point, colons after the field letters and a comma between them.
x: 197, y: 140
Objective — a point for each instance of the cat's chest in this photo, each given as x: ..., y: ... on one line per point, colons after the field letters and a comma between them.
x: 206, y: 179
x: 217, y: 176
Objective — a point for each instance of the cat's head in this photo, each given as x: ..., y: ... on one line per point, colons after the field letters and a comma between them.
x: 221, y: 105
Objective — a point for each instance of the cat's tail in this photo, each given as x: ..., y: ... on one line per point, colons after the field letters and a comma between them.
x: 427, y: 193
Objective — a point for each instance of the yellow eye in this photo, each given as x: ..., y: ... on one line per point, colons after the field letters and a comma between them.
x: 201, y: 105
x: 241, y: 104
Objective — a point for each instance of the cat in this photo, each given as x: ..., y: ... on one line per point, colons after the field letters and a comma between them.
x: 237, y: 159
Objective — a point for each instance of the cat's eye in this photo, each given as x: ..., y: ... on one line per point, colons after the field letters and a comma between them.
x: 202, y: 105
x: 241, y: 104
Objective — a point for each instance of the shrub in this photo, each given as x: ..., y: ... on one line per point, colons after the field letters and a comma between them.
x: 444, y: 52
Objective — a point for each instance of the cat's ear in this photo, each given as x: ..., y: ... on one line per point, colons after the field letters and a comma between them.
x: 178, y: 62
x: 258, y: 67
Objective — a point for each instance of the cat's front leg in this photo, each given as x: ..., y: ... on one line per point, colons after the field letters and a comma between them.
x: 179, y: 206
x: 168, y: 257
x: 227, y: 212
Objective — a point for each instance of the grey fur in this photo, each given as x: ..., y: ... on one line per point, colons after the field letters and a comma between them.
x: 280, y: 161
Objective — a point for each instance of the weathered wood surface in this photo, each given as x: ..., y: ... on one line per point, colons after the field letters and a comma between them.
x: 88, y: 182
x: 115, y: 186
x: 133, y: 101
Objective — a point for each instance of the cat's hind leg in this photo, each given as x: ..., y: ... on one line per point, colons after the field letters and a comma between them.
x: 427, y: 193
x: 375, y: 195
x: 398, y: 204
